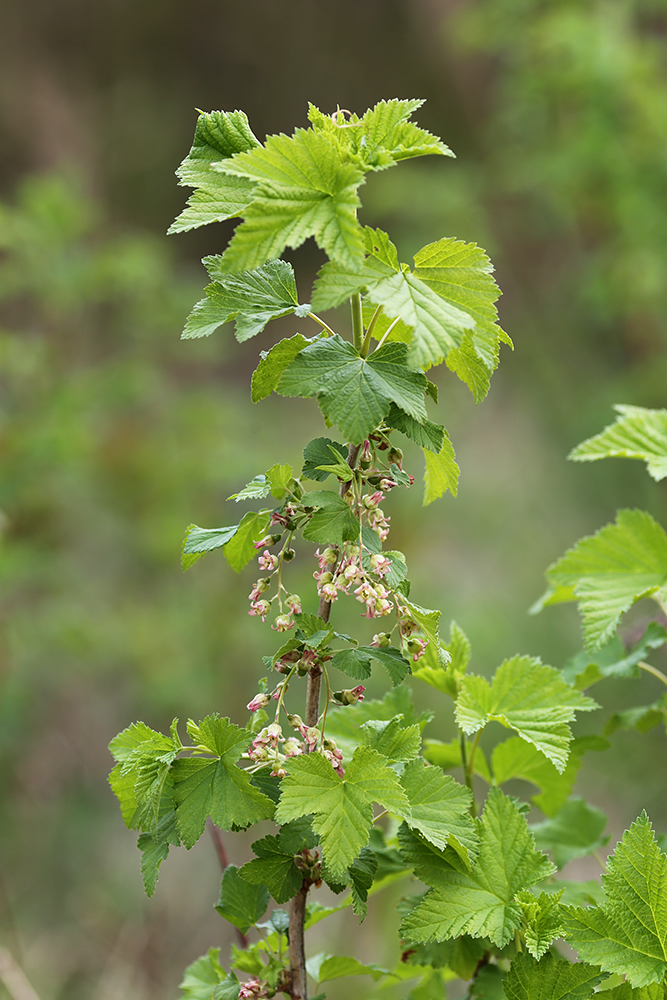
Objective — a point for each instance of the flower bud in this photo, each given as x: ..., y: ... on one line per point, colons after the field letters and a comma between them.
x: 416, y: 648
x: 350, y: 696
x: 259, y: 701
x: 395, y: 455
x: 267, y: 540
x: 294, y: 602
x: 283, y: 623
x: 365, y: 455
x: 381, y: 640
x: 288, y: 555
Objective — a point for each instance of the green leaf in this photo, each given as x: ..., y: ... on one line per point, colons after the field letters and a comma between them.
x: 393, y: 740
x: 256, y: 489
x: 280, y: 478
x: 529, y: 697
x: 240, y: 903
x: 480, y: 901
x: 344, y: 724
x: 154, y: 851
x: 612, y: 659
x: 352, y: 391
x: 269, y: 371
x: 323, y: 967
x: 229, y: 989
x: 216, y: 788
x: 361, y: 873
x: 441, y: 472
x: 515, y: 758
x: 250, y: 298
x: 217, y: 134
x: 202, y: 976
x: 575, y: 832
x: 642, y: 718
x: 448, y: 756
x: 319, y: 452
x: 356, y: 662
x: 304, y: 188
x: 637, y: 433
x: 609, y: 571
x: 274, y: 865
x: 342, y: 807
x: 488, y: 984
x: 439, y: 809
x: 241, y: 548
x: 624, y: 991
x: 550, y: 979
x: 198, y: 541
x: 333, y: 522
x: 467, y: 365
x: 542, y: 920
x: 628, y: 935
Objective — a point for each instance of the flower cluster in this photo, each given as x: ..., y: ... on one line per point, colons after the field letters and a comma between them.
x: 254, y: 989
x: 266, y: 749
x: 334, y: 576
x: 261, y: 606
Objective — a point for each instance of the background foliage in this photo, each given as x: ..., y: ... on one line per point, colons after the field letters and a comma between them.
x: 113, y: 435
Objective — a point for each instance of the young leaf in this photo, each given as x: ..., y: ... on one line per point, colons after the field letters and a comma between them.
x: 642, y: 718
x: 240, y: 903
x: 356, y: 662
x: 198, y: 541
x: 609, y: 571
x: 342, y: 807
x: 361, y: 873
x: 448, y: 756
x: 323, y: 967
x: 218, y: 134
x: 333, y: 522
x: 153, y: 852
x: 256, y: 489
x: 304, y: 188
x: 550, y: 979
x: 576, y: 831
x: 344, y: 724
x: 628, y: 934
x: 441, y: 472
x: 352, y: 391
x: 612, y: 659
x: 637, y: 433
x: 541, y: 921
x: 228, y: 989
x: 280, y: 479
x: 393, y: 740
x: 526, y: 696
x: 216, y: 788
x: 624, y: 991
x: 274, y: 865
x: 241, y: 548
x: 200, y: 978
x: 515, y: 758
x: 439, y: 809
x: 269, y: 371
x: 319, y: 452
x: 480, y: 901
x: 250, y: 298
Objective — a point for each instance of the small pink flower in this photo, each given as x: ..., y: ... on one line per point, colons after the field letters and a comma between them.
x: 387, y: 484
x: 329, y: 592
x: 261, y: 586
x: 293, y: 747
x: 267, y: 540
x: 327, y: 558
x: 294, y: 602
x: 416, y: 648
x: 260, y: 608
x: 259, y: 701
x: 283, y: 623
x: 365, y: 592
x: 350, y: 696
x: 381, y: 640
x: 267, y: 561
x: 380, y: 564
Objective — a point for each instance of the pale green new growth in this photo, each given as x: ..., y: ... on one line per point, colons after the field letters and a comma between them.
x: 200, y: 978
x: 628, y: 934
x: 515, y: 758
x: 342, y: 807
x: 541, y: 921
x: 439, y: 809
x: 609, y: 571
x: 529, y: 697
x: 637, y: 433
x: 250, y: 298
x: 441, y: 472
x: 480, y: 901
x: 323, y: 967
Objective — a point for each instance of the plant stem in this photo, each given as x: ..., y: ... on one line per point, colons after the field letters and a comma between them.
x: 365, y: 347
x: 297, y: 916
x: 357, y: 321
x: 652, y: 670
x: 324, y: 325
x: 387, y: 332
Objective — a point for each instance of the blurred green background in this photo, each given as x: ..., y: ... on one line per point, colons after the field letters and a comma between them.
x: 114, y: 435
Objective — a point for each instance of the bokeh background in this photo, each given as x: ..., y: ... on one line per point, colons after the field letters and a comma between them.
x: 114, y: 435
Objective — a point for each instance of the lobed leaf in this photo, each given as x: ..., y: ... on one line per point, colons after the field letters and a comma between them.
x: 576, y: 831
x: 269, y: 371
x: 609, y: 572
x: 637, y: 433
x: 441, y: 472
x: 241, y: 903
x: 550, y: 979
x: 529, y: 697
x: 628, y: 934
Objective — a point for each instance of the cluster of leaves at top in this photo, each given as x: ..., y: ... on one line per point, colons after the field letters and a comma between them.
x: 493, y: 904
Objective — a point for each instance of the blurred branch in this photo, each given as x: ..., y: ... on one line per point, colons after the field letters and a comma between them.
x: 14, y: 979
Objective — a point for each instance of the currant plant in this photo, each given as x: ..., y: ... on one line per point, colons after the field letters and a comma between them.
x: 358, y: 798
